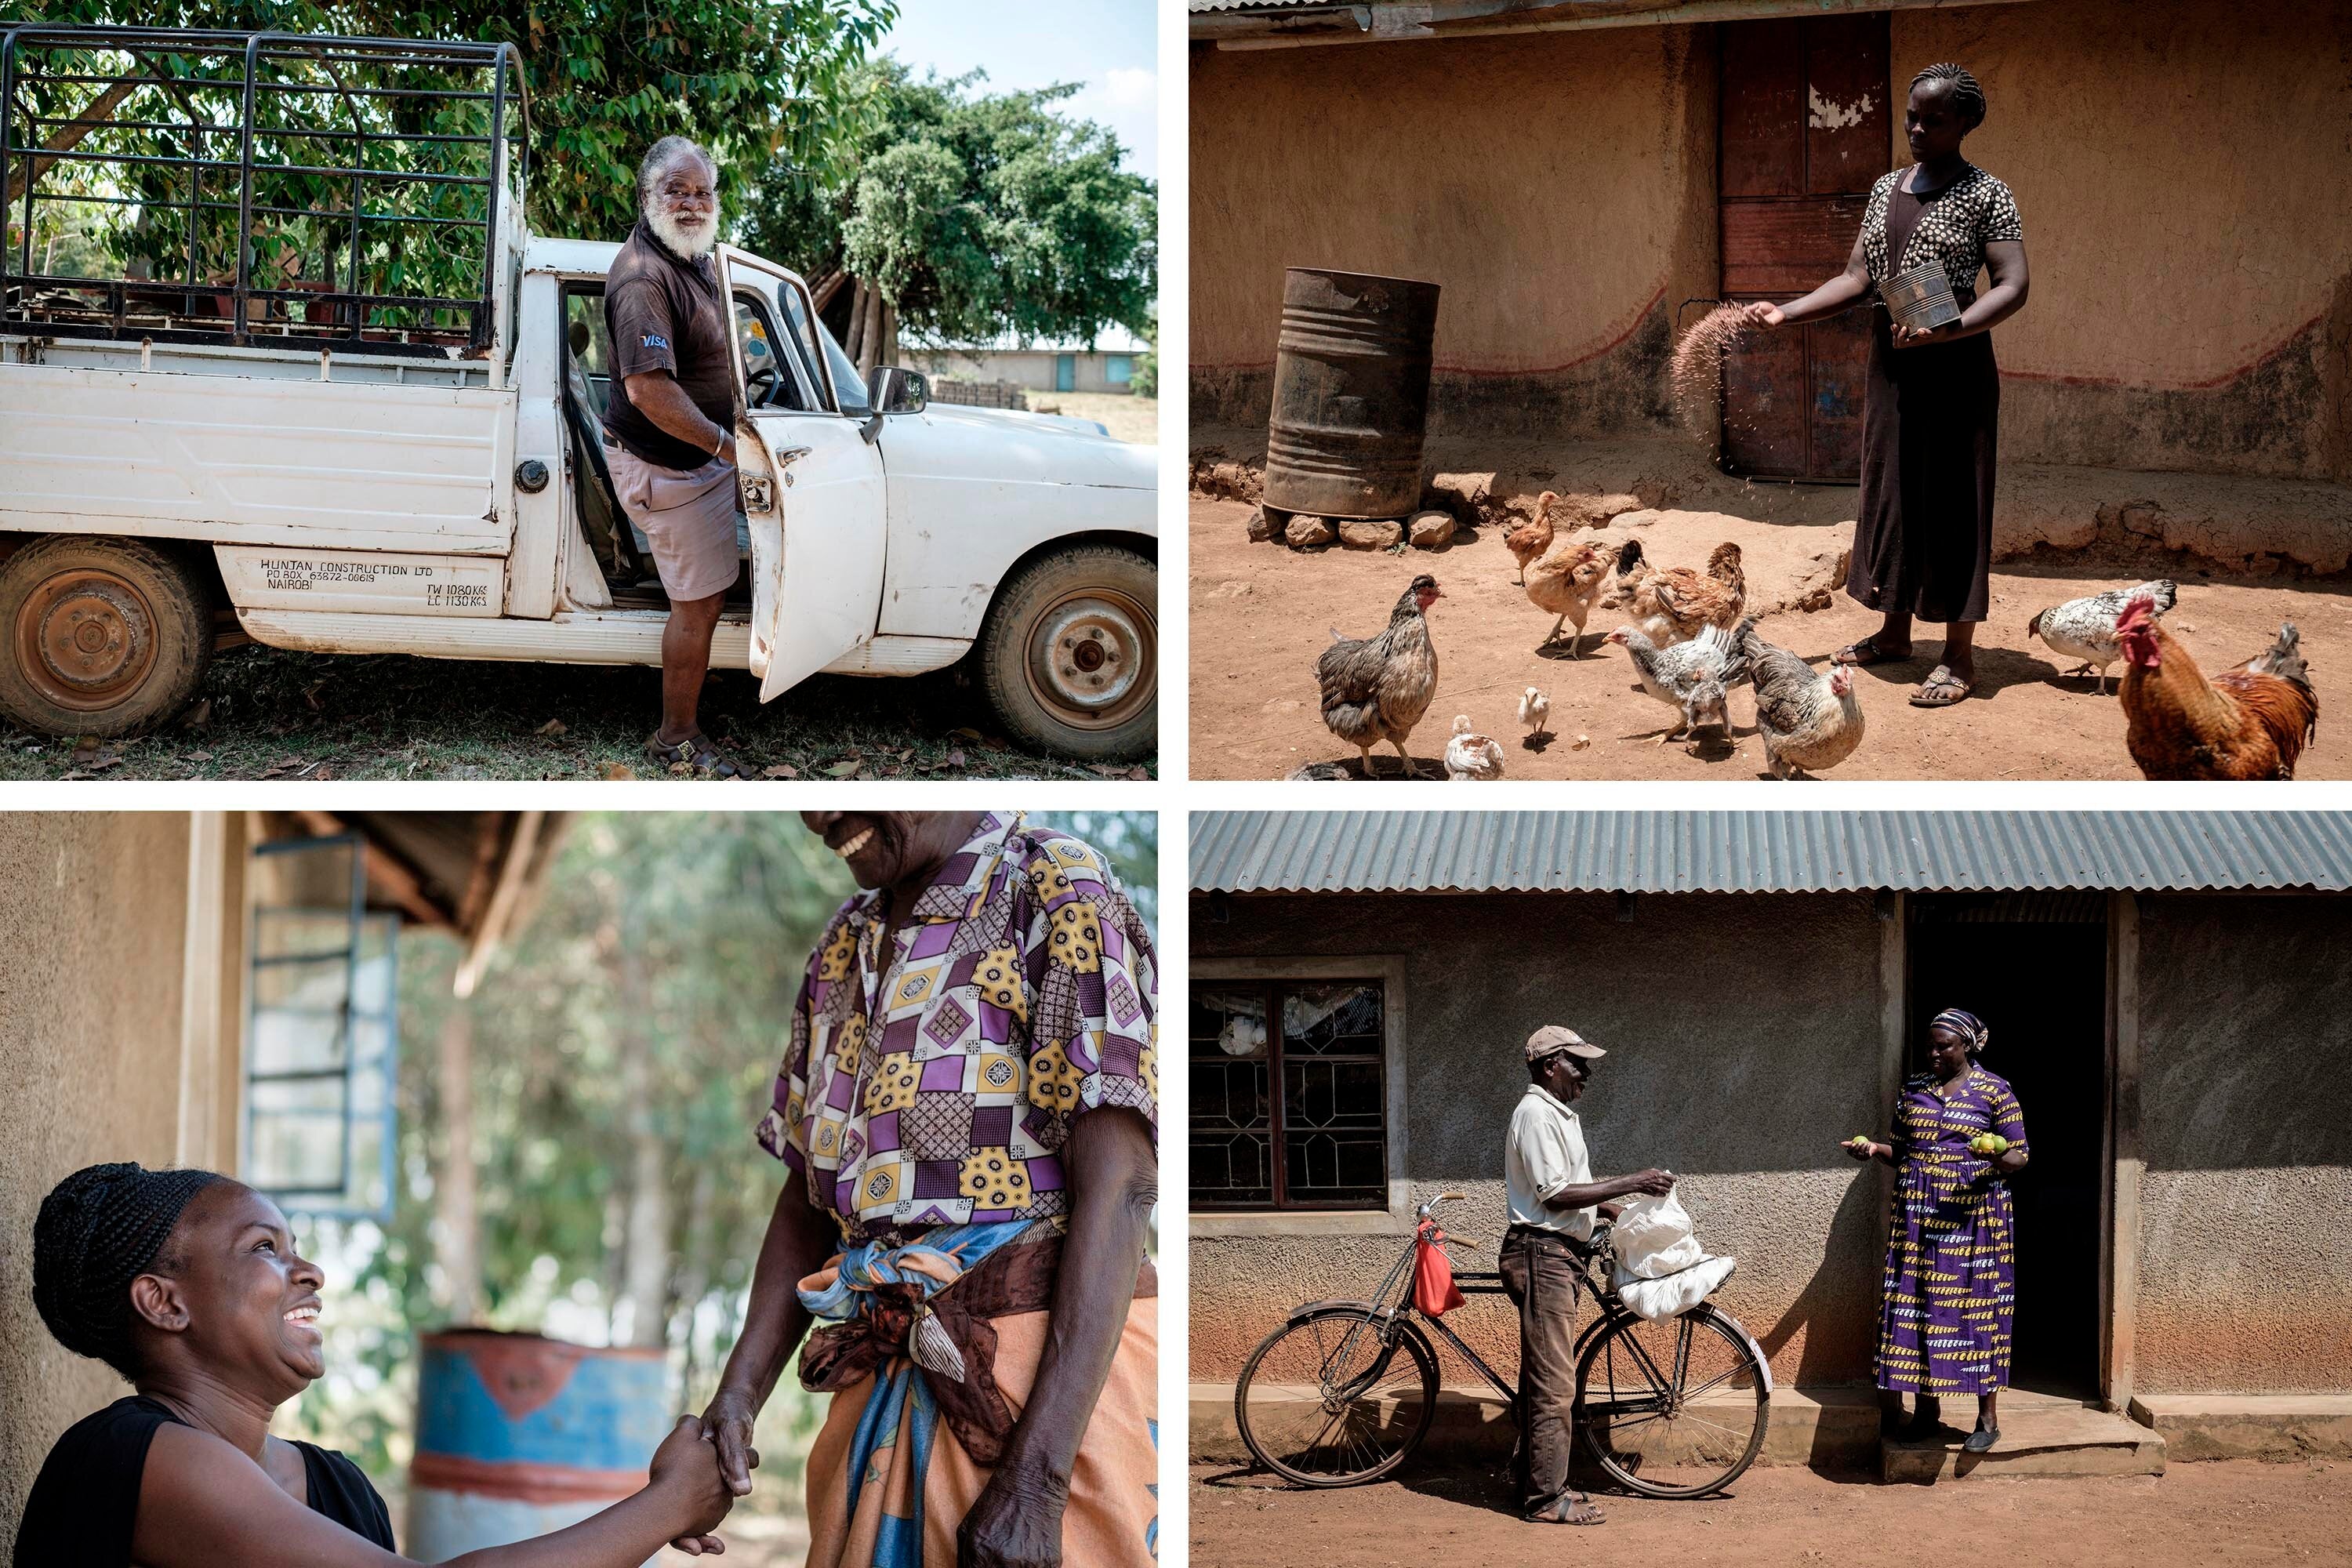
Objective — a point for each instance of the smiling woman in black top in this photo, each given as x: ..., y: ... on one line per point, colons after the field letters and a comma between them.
x: 1931, y: 409
x: 188, y: 1284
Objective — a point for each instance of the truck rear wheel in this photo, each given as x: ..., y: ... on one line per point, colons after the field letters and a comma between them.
x: 102, y: 637
x: 1070, y: 656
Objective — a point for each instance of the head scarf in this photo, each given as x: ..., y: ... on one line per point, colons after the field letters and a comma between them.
x: 1968, y: 1026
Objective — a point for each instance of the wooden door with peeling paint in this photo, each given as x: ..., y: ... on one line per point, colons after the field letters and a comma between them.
x: 1807, y: 124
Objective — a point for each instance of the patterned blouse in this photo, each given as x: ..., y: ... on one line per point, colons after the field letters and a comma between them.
x: 1972, y: 212
x: 935, y: 1084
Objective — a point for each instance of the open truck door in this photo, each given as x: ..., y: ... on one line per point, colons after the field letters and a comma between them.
x: 812, y: 492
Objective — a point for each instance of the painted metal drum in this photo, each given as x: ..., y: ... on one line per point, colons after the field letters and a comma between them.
x: 1922, y: 298
x: 518, y: 1434
x: 1350, y: 394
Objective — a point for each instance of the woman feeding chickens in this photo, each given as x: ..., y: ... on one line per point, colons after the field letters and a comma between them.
x: 1943, y: 1320
x: 1923, y: 539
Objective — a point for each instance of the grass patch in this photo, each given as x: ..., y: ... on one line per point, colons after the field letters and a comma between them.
x: 274, y: 713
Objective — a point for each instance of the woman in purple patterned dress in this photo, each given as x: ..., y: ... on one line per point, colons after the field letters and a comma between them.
x: 1944, y: 1321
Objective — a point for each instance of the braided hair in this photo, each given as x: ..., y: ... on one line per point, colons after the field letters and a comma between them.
x: 1968, y: 98
x: 98, y: 1230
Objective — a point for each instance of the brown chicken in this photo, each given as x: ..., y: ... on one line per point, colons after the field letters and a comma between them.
x: 1532, y: 539
x: 2250, y: 722
x: 1566, y: 582
x: 1672, y: 604
x: 1376, y: 689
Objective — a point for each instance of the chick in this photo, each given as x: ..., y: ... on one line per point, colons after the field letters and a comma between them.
x: 1472, y: 756
x: 1535, y: 712
x: 1688, y: 676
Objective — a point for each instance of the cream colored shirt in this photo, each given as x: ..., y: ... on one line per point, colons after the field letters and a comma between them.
x: 1544, y: 1153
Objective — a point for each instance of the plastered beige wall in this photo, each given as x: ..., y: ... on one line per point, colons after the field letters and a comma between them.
x: 91, y: 1029
x: 2175, y: 162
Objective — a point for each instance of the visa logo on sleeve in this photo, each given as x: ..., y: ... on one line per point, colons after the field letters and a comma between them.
x: 653, y: 341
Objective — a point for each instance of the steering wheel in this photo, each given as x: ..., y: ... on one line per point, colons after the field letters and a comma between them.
x: 762, y: 385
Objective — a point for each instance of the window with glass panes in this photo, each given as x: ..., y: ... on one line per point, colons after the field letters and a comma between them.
x: 1289, y: 1095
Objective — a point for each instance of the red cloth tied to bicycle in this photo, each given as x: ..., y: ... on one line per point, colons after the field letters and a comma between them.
x: 1433, y: 1291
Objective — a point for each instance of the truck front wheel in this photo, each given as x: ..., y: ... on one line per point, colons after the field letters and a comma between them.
x: 1070, y: 656
x: 103, y: 636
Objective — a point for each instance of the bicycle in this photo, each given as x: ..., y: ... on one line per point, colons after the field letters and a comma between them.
x: 1672, y: 1408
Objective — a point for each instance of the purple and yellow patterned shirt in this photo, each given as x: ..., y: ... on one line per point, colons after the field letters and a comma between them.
x: 935, y: 1085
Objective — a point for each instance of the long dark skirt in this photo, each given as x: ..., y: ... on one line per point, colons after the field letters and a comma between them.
x: 1930, y: 431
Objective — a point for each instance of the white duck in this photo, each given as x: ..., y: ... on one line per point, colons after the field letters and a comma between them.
x: 1469, y: 756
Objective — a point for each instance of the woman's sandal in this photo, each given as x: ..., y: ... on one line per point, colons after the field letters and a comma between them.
x: 1570, y: 1508
x: 1940, y: 689
x: 1865, y: 652
x: 1981, y: 1440
x: 694, y: 757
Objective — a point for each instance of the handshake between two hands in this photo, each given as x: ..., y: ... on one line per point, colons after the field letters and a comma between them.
x: 701, y: 1468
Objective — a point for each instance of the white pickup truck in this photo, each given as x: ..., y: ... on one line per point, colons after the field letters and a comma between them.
x: 353, y: 490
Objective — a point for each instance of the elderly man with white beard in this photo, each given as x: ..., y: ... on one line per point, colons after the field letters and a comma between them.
x: 669, y: 428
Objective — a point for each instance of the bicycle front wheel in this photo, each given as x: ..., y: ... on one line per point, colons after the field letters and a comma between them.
x: 1674, y: 1408
x: 1337, y: 1397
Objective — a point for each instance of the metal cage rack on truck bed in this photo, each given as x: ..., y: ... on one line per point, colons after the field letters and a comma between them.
x: 367, y: 178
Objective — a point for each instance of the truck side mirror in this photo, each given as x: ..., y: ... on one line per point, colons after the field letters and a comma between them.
x: 891, y: 390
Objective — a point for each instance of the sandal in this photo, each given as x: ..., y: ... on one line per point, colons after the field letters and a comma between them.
x: 1568, y: 1508
x: 1940, y: 689
x: 694, y: 757
x: 1981, y: 1440
x: 1865, y: 652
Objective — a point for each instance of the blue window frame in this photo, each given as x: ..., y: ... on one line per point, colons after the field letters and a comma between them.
x: 1119, y: 369
x: 322, y: 1032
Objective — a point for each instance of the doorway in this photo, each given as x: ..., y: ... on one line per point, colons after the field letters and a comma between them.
x: 2033, y: 966
x: 1807, y: 124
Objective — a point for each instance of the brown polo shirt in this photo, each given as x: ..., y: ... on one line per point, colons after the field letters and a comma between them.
x: 664, y: 313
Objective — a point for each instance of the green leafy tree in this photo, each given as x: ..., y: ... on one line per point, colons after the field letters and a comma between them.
x: 961, y: 215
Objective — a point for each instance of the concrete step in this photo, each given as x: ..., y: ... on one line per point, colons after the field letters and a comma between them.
x: 2274, y: 1426
x: 2038, y: 1438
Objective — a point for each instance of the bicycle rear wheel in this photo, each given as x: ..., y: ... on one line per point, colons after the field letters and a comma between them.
x: 1674, y: 1408
x: 1337, y: 1397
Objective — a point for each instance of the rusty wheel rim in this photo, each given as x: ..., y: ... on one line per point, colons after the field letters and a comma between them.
x: 1091, y: 656
x: 86, y: 639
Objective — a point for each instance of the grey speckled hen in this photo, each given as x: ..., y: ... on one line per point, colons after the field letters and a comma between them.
x: 1376, y: 689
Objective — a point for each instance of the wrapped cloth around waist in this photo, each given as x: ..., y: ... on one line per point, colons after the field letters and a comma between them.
x: 944, y: 1330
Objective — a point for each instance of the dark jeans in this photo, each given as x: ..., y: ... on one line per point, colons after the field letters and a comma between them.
x: 1539, y: 1272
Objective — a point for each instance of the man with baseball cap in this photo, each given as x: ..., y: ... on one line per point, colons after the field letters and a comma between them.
x: 1553, y: 1196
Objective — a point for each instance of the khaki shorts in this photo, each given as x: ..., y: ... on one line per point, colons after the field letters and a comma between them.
x: 687, y: 518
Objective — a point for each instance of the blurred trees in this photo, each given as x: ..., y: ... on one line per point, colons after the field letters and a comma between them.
x: 622, y: 1048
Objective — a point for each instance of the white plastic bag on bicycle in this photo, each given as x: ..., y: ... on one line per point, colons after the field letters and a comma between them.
x: 1676, y: 1293
x: 1654, y: 1238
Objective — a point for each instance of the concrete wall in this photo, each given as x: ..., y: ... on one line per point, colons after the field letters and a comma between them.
x: 2192, y: 291
x: 1559, y: 186
x: 2192, y: 299
x: 1032, y: 369
x: 2245, y: 1234
x: 1745, y: 1042
x: 100, y: 1041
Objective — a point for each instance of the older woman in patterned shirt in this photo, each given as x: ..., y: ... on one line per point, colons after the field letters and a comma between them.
x: 967, y: 1109
x: 1931, y: 409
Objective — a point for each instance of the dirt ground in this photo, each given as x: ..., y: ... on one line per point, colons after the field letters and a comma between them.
x: 1261, y: 613
x: 2223, y: 1513
x: 1129, y: 417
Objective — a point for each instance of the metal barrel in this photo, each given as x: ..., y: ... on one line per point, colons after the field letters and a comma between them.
x: 518, y: 1436
x: 1350, y: 394
x: 1922, y: 298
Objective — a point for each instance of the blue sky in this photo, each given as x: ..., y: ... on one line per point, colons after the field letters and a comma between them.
x: 1106, y: 44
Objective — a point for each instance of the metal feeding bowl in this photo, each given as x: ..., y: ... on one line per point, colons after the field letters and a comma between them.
x: 1922, y: 298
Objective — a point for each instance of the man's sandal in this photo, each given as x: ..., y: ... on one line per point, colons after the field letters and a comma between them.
x: 1867, y: 652
x: 1570, y: 1508
x: 694, y: 757
x: 1940, y: 689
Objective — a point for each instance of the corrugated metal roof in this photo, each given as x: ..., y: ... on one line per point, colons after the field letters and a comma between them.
x: 1199, y: 5
x: 1765, y: 851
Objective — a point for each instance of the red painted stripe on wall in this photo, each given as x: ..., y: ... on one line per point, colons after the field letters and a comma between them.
x: 522, y: 1483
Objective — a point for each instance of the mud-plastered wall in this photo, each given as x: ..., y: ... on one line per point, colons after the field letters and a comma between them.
x: 1558, y: 188
x: 1743, y: 1043
x: 93, y: 928
x: 2246, y: 1226
x: 2176, y: 163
